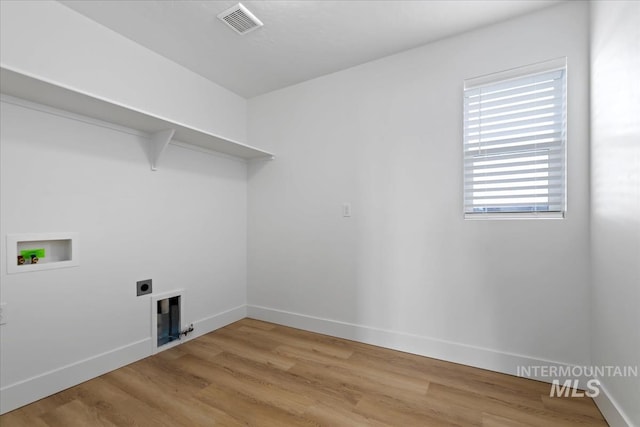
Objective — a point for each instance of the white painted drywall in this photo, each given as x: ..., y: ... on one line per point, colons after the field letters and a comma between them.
x: 386, y: 137
x: 615, y: 200
x: 49, y: 41
x: 183, y: 226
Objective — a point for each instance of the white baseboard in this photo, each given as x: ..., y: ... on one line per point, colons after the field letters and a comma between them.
x: 24, y: 392
x: 27, y: 391
x: 610, y: 409
x: 479, y: 357
x: 217, y: 321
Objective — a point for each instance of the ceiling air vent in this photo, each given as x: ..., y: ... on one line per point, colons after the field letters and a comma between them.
x: 240, y: 19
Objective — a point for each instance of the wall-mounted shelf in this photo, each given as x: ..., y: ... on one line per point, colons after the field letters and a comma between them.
x: 60, y: 251
x: 161, y: 131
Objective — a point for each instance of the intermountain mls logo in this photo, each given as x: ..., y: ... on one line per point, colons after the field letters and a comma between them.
x: 571, y: 374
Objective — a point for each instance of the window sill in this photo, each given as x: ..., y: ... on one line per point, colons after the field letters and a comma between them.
x: 514, y: 215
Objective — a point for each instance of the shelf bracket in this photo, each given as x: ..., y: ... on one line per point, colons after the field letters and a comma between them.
x: 158, y: 143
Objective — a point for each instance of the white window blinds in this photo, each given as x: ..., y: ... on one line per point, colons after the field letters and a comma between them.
x: 514, y: 144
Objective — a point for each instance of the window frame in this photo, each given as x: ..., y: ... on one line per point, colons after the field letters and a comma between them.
x: 502, y: 77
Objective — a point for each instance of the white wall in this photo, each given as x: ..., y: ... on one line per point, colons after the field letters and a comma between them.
x: 615, y: 201
x: 49, y: 41
x: 183, y: 226
x: 406, y: 271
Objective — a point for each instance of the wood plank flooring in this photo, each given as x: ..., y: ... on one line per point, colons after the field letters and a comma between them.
x: 253, y: 373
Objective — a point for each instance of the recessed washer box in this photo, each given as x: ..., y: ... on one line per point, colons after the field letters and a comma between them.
x: 61, y: 250
x: 167, y: 319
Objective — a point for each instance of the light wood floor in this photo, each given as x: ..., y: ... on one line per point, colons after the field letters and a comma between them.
x: 260, y: 374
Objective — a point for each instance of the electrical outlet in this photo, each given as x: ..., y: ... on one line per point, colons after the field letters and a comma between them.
x: 144, y: 287
x: 3, y: 313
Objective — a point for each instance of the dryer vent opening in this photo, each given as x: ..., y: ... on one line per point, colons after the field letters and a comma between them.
x: 168, y: 312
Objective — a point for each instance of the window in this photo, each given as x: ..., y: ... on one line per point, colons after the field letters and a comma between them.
x: 515, y: 143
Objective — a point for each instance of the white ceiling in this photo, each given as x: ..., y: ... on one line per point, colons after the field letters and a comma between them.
x: 300, y: 39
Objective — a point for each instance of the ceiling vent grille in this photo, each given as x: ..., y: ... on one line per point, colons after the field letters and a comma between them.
x: 240, y: 19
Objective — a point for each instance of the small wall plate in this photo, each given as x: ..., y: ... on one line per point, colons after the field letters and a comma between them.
x: 144, y: 287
